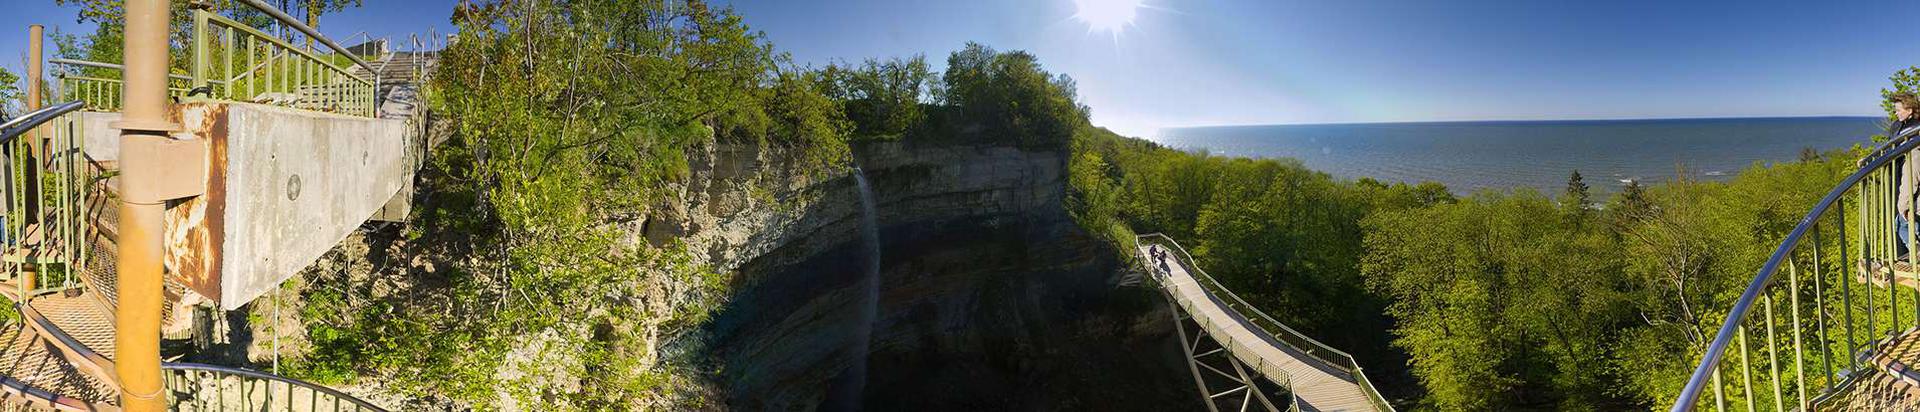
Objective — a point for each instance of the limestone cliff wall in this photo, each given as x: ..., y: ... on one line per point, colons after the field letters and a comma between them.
x: 990, y: 296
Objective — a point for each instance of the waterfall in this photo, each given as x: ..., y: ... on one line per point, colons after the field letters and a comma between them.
x: 853, y: 391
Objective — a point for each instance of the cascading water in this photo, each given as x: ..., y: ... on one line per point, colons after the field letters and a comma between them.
x: 854, y: 381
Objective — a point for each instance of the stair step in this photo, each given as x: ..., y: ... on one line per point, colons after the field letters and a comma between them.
x: 79, y: 326
x: 1900, y: 271
x: 32, y: 255
x: 1874, y: 390
x: 34, y: 374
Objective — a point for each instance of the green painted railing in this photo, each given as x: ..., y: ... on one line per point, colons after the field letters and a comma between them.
x: 198, y: 387
x: 46, y: 188
x: 98, y: 84
x: 236, y: 62
x: 1803, y: 332
x: 261, y: 68
x: 1279, y: 331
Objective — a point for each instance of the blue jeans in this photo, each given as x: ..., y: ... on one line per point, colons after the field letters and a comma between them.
x: 1900, y: 232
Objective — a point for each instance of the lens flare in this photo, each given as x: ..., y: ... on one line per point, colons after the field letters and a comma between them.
x: 1111, y: 16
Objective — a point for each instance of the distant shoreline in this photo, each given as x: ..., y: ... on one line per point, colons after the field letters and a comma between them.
x: 1164, y: 131
x: 1471, y: 155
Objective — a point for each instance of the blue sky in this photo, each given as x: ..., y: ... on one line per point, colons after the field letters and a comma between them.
x: 1215, y: 62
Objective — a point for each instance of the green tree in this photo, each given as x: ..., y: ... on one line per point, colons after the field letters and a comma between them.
x: 1577, y: 200
x: 1008, y: 95
x: 315, y: 8
x: 11, y: 103
x: 883, y: 99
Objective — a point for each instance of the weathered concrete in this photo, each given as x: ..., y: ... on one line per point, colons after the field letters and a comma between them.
x: 285, y: 186
x: 101, y: 139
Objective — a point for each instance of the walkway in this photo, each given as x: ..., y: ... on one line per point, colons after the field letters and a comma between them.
x: 1319, y: 385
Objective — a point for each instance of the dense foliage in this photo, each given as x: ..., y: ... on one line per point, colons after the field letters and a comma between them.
x: 1495, y: 301
x: 574, y: 121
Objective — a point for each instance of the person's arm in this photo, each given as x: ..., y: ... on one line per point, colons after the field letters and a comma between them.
x: 1907, y: 179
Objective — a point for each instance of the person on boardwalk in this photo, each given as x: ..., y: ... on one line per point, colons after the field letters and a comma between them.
x: 1905, y: 106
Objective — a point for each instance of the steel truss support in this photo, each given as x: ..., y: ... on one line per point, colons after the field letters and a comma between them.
x: 1223, y: 381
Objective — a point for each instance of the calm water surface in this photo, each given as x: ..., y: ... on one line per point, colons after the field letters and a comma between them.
x: 1469, y: 156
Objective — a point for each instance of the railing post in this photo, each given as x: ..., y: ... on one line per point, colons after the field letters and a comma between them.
x: 201, y: 61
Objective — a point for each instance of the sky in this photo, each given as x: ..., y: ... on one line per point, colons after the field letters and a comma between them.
x: 1183, y: 63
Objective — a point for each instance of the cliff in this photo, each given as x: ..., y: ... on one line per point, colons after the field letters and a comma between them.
x: 989, y: 295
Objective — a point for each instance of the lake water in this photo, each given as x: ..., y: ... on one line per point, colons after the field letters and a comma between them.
x: 1469, y: 156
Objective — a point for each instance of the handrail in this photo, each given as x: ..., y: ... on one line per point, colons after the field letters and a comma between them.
x: 275, y: 70
x: 111, y: 66
x: 244, y: 373
x: 12, y: 129
x: 1716, y: 351
x: 289, y: 21
x: 1344, y: 361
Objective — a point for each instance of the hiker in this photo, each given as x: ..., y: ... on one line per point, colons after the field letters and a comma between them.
x: 1905, y: 104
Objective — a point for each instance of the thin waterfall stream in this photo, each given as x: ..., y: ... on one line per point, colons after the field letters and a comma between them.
x: 853, y: 388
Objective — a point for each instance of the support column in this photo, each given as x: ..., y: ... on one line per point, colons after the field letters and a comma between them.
x: 143, y: 129
x: 35, y: 66
x: 29, y: 191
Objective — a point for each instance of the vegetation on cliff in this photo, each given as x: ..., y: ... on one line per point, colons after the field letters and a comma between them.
x: 572, y: 123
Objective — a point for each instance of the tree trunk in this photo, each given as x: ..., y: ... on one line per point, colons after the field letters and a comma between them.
x: 313, y: 20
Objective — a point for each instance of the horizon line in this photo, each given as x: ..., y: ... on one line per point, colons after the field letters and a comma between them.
x: 1618, y: 119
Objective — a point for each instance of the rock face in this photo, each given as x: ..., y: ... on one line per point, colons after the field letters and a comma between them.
x: 990, y: 296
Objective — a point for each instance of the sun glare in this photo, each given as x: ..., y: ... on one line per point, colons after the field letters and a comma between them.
x: 1111, y: 16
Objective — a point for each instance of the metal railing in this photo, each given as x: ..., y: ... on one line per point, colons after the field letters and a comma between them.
x: 1824, y: 302
x: 233, y: 61
x: 200, y: 387
x: 262, y: 68
x: 46, y: 186
x: 1278, y: 331
x: 101, y: 90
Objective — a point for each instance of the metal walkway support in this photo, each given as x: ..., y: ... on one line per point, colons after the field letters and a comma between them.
x: 1237, y: 350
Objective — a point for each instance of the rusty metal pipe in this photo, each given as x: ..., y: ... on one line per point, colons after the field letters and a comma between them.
x: 144, y: 119
x: 35, y: 67
x: 30, y: 203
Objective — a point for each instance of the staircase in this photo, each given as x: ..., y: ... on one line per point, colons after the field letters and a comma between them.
x: 399, y: 75
x: 59, y: 280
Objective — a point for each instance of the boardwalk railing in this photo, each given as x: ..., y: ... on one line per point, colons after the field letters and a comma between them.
x: 230, y: 60
x: 261, y: 68
x: 1279, y: 331
x: 99, y: 85
x: 1811, y: 322
x: 198, y: 387
x: 47, y: 177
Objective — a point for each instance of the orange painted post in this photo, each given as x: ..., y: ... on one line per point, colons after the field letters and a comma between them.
x: 143, y: 129
x: 35, y: 66
x: 32, y: 170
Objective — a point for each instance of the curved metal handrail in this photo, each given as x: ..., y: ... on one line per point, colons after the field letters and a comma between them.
x: 244, y: 373
x: 1716, y: 351
x: 1342, y: 359
x: 12, y: 129
x: 289, y: 21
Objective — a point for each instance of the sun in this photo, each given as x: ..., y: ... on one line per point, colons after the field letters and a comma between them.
x: 1112, y: 16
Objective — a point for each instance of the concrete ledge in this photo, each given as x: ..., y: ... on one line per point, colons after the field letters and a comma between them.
x: 284, y: 186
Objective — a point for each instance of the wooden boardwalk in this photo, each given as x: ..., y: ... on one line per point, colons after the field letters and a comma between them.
x: 1320, y: 386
